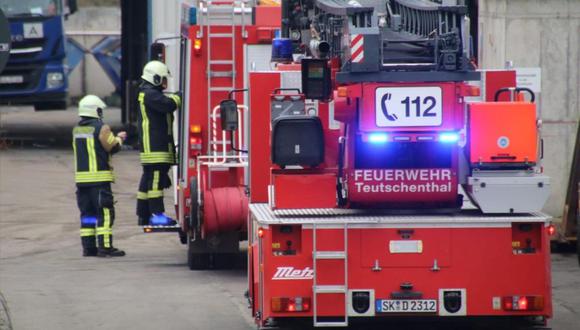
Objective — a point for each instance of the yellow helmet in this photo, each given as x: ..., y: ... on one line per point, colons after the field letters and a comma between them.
x: 89, y: 105
x: 154, y: 72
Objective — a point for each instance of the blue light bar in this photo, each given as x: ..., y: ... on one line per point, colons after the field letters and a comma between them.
x: 448, y: 137
x: 378, y: 138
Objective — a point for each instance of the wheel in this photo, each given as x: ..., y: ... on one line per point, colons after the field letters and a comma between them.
x: 196, y: 260
x: 182, y: 237
x: 578, y: 239
x: 53, y: 105
x: 225, y: 260
x: 194, y: 207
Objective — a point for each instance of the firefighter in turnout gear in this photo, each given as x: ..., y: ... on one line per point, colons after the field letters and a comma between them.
x: 93, y: 145
x: 157, y: 148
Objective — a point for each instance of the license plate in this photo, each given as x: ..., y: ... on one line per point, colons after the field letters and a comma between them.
x: 408, y: 106
x: 11, y: 79
x: 406, y: 306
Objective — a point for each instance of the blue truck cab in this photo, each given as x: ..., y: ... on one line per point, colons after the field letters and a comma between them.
x: 36, y: 73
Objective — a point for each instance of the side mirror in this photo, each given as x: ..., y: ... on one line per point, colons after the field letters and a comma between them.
x: 157, y: 51
x: 229, y: 115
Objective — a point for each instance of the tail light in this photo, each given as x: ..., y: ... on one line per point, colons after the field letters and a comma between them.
x: 197, y: 46
x: 195, y: 140
x: 523, y: 303
x: 290, y: 304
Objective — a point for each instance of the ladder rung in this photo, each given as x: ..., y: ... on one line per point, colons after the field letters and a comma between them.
x: 221, y: 74
x: 329, y: 289
x: 330, y: 324
x: 220, y: 89
x: 220, y: 35
x: 230, y: 62
x: 321, y: 255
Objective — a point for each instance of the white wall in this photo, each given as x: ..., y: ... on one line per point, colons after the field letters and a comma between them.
x: 545, y: 34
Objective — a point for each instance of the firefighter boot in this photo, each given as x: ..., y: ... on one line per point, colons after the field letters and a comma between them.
x: 161, y: 220
x: 89, y: 246
x: 110, y: 252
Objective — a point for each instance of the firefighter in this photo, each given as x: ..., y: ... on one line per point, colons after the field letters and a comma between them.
x: 93, y: 145
x: 157, y: 148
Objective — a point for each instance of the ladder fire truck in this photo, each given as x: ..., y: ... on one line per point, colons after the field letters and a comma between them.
x: 221, y: 42
x: 361, y: 155
x: 375, y: 173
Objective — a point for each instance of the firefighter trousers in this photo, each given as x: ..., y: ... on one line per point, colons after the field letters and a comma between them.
x: 96, y: 205
x: 155, y: 178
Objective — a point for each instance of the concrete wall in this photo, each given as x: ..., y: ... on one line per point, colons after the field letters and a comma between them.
x: 92, y: 20
x: 545, y: 34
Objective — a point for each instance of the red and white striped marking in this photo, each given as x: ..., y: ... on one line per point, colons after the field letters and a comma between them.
x: 357, y: 49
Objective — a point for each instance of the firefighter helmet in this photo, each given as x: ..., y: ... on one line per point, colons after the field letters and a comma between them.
x: 154, y: 72
x: 89, y: 106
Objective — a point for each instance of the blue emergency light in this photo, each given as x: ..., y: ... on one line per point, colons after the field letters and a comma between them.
x: 448, y: 137
x: 282, y: 50
x: 378, y: 138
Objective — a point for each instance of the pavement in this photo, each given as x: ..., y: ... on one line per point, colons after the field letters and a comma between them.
x: 48, y: 285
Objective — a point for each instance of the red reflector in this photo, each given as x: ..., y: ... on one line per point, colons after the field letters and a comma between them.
x: 507, y: 303
x: 551, y: 230
x: 260, y: 232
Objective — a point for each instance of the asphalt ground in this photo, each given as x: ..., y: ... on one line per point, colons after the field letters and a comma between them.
x: 48, y: 285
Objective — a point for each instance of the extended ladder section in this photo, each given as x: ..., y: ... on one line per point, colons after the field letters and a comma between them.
x: 223, y: 24
x: 335, y: 288
x: 219, y: 19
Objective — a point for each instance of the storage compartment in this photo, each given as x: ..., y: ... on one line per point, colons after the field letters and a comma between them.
x: 500, y: 193
x: 303, y: 191
x: 502, y: 134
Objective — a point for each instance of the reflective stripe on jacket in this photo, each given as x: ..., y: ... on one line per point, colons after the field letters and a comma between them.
x: 93, y: 144
x: 156, y: 125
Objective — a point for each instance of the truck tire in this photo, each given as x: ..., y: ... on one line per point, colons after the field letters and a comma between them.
x: 578, y: 239
x: 193, y: 207
x: 53, y: 105
x: 198, y: 261
x: 197, y: 257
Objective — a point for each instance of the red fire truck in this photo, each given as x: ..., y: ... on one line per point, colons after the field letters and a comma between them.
x: 361, y: 157
x: 221, y: 42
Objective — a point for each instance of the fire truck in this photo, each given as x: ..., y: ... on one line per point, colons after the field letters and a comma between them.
x: 220, y: 43
x: 375, y: 173
x: 362, y: 154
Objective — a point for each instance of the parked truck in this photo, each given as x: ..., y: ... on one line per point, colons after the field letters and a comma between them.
x: 376, y: 173
x: 36, y: 73
x: 397, y: 195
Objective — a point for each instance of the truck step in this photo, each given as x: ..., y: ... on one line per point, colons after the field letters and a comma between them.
x: 329, y: 289
x: 161, y: 229
x: 222, y: 74
x: 220, y: 89
x: 327, y: 255
x: 331, y: 324
x: 220, y: 35
x: 228, y: 62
